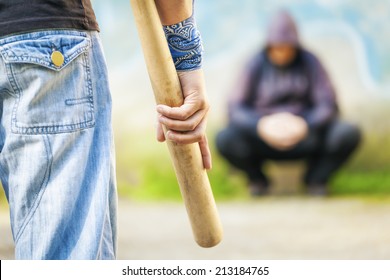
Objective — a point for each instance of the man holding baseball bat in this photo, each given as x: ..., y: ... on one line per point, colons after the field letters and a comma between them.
x: 56, y: 160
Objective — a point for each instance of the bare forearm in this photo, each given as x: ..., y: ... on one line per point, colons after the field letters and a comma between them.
x: 173, y: 11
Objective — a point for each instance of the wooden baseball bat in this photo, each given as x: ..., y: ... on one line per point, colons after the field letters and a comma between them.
x: 187, y: 160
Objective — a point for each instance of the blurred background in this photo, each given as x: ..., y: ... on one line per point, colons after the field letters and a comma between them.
x: 352, y: 39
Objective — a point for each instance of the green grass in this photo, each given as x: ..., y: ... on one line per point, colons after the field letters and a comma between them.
x: 361, y: 182
x: 145, y: 172
x: 368, y: 172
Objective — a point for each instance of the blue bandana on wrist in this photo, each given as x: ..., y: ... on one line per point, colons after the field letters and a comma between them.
x: 185, y: 44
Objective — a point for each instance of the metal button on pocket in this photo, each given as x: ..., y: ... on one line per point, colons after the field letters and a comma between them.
x: 57, y: 58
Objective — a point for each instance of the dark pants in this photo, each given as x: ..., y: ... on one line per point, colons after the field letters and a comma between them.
x: 324, y: 150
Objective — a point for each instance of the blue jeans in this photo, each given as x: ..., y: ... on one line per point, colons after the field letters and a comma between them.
x: 57, y: 157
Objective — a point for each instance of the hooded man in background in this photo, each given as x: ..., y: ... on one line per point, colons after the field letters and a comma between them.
x: 285, y: 108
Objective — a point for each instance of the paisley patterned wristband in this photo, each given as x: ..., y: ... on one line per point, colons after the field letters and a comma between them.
x: 185, y: 44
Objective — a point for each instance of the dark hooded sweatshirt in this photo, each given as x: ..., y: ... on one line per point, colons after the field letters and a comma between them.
x: 18, y: 16
x: 301, y: 88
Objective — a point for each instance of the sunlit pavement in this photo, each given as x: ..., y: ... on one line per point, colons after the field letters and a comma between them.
x: 267, y: 228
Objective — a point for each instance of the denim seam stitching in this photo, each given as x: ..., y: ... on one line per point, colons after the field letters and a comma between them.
x: 42, y: 62
x: 12, y: 93
x: 39, y: 195
x: 77, y: 101
x: 38, y: 34
x: 89, y: 82
x: 16, y: 89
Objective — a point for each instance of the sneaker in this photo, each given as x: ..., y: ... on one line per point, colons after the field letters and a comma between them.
x: 258, y: 189
x: 317, y: 190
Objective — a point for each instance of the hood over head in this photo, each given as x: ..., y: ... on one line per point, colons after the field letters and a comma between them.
x: 282, y: 30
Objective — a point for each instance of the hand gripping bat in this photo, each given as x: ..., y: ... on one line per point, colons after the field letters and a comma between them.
x: 187, y: 160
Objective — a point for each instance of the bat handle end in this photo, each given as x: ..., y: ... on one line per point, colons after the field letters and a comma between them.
x: 211, y: 240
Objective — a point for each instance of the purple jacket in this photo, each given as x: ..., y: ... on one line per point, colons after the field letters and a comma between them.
x: 302, y: 88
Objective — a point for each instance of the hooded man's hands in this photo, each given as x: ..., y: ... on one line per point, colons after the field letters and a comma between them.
x: 282, y: 131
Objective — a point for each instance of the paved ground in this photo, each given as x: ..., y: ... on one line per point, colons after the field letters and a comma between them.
x: 270, y: 228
